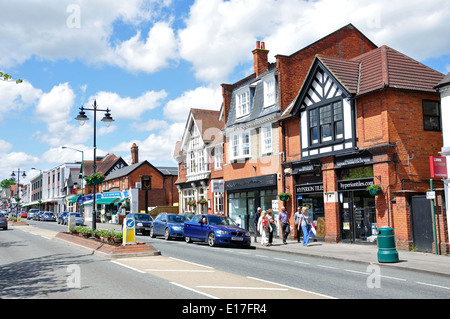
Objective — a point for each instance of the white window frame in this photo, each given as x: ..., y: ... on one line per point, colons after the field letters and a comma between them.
x: 266, y: 139
x: 242, y: 103
x: 240, y: 146
x: 218, y: 155
x: 218, y: 203
x: 269, y: 91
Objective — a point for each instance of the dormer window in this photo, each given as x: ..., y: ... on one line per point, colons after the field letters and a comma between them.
x: 243, y: 103
x: 326, y: 123
x: 269, y: 91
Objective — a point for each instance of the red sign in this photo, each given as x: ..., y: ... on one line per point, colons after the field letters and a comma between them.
x: 438, y: 167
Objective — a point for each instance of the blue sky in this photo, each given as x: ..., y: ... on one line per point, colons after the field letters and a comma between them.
x: 150, y: 61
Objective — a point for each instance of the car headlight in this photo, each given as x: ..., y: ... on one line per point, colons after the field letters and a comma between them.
x: 176, y: 227
x: 247, y: 234
x: 139, y: 224
x: 222, y: 232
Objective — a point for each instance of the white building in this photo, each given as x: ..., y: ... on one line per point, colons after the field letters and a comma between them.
x: 444, y: 90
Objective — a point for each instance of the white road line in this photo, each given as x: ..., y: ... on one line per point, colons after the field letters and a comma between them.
x: 281, y: 259
x: 188, y: 262
x: 194, y: 290
x: 262, y: 256
x: 180, y: 270
x: 290, y: 287
x: 328, y: 267
x: 436, y: 286
x: 129, y: 267
x: 357, y: 272
x: 393, y: 278
x: 243, y: 288
x: 301, y: 262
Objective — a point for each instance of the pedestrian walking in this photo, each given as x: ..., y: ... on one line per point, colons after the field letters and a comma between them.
x: 297, y: 219
x: 283, y: 218
x: 256, y: 219
x: 272, y: 225
x: 263, y: 228
x: 305, y: 223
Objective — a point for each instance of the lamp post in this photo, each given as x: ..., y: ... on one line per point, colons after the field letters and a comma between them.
x: 107, y: 119
x: 81, y: 176
x: 18, y: 185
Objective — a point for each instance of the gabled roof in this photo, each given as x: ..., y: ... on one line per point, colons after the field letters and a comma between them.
x: 382, y: 68
x: 104, y: 165
x: 127, y: 170
x: 445, y: 81
x: 209, y: 125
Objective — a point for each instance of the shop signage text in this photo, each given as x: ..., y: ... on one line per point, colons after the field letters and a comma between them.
x: 355, y: 184
x: 438, y: 167
x: 309, y: 188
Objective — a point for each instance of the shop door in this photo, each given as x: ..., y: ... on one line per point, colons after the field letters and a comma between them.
x: 422, y: 228
x: 251, y: 209
x: 358, y: 217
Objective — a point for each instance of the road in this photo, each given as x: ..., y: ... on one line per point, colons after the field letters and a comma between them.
x: 34, y: 266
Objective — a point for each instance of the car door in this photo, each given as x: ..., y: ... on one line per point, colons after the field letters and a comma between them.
x: 161, y: 224
x: 192, y: 227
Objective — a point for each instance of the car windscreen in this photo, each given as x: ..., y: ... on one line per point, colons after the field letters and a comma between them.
x: 143, y: 217
x: 221, y: 220
x: 175, y: 219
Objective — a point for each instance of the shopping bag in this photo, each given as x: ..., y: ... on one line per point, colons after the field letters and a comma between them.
x: 312, y: 231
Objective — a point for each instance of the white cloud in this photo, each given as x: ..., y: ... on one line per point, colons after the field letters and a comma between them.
x: 14, y: 160
x: 127, y: 107
x: 200, y: 98
x: 150, y: 125
x: 5, y: 146
x: 17, y: 97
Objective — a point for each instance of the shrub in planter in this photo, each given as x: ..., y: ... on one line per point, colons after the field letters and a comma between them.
x: 375, y: 189
x: 284, y: 196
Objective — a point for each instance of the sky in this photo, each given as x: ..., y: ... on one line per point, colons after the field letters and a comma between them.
x: 150, y: 61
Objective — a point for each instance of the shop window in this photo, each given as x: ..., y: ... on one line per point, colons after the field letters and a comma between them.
x: 431, y: 116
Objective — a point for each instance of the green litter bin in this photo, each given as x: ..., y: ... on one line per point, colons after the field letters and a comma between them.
x: 387, y: 253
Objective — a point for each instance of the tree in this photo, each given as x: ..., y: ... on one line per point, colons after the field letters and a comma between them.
x: 6, y: 183
x: 7, y: 77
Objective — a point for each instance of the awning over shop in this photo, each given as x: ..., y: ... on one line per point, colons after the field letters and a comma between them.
x: 120, y: 201
x: 73, y: 199
x: 106, y: 201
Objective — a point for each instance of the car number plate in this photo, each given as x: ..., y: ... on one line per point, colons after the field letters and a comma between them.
x: 147, y: 228
x: 237, y: 238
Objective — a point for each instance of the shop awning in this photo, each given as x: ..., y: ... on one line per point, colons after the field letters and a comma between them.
x: 73, y: 199
x: 106, y: 201
x: 120, y: 201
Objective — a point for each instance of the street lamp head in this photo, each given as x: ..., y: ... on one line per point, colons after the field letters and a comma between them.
x: 82, y: 117
x: 13, y: 175
x: 107, y: 119
x: 24, y: 175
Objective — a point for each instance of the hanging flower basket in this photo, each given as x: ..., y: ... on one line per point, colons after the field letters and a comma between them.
x: 202, y: 201
x: 94, y: 179
x: 192, y: 203
x: 375, y: 189
x: 284, y: 196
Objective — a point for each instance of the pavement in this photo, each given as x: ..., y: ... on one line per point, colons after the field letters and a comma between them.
x: 360, y: 253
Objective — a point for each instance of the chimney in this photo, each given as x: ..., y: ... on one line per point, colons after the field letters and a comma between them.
x: 134, y: 154
x: 260, y: 61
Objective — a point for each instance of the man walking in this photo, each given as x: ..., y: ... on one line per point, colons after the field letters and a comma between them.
x: 257, y: 215
x: 284, y: 221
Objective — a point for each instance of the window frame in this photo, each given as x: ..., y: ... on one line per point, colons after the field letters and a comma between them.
x: 240, y: 145
x: 438, y: 116
x: 242, y: 104
x: 317, y: 123
x: 269, y: 87
x: 265, y: 147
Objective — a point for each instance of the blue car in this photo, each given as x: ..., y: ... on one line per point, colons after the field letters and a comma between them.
x: 215, y: 230
x: 168, y: 225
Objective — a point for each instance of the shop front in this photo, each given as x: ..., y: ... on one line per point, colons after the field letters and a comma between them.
x: 358, y: 220
x: 244, y: 196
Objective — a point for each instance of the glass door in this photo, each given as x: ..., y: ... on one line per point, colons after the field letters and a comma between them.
x: 345, y: 203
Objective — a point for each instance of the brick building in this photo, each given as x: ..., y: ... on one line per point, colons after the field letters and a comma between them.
x: 371, y: 119
x: 200, y: 158
x: 254, y: 147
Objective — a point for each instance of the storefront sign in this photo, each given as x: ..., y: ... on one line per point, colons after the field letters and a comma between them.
x: 438, y: 167
x: 217, y: 186
x: 309, y: 188
x: 250, y: 183
x: 344, y: 162
x: 355, y: 184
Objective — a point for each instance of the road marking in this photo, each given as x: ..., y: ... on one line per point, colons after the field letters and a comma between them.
x: 328, y: 267
x: 431, y: 285
x: 302, y: 262
x: 357, y: 272
x: 180, y: 270
x: 262, y: 256
x: 393, y: 278
x: 243, y: 288
x: 281, y: 259
x: 290, y: 287
x: 126, y: 266
x: 189, y: 262
x: 194, y: 290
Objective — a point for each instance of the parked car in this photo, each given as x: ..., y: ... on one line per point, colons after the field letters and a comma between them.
x: 62, y: 217
x: 3, y: 221
x: 23, y: 214
x: 79, y: 221
x: 143, y: 222
x: 47, y: 217
x: 167, y: 225
x: 188, y: 216
x: 215, y: 230
x: 37, y: 215
x: 31, y: 213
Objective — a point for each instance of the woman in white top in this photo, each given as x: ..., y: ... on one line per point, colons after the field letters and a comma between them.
x: 263, y: 228
x: 304, y: 223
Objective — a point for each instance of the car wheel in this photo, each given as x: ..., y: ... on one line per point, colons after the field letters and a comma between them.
x: 211, y: 239
x: 167, y: 234
x: 188, y: 239
x: 152, y: 233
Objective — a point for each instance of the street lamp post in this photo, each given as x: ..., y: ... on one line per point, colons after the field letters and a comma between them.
x: 81, y: 174
x: 107, y: 119
x: 18, y: 185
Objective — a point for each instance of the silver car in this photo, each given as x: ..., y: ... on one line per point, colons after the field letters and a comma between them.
x: 3, y: 221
